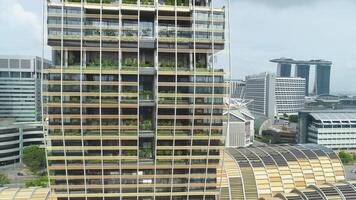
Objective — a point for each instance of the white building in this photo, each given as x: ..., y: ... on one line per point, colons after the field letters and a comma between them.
x: 274, y: 96
x: 290, y: 95
x: 241, y: 129
x: 20, y: 87
x: 335, y: 129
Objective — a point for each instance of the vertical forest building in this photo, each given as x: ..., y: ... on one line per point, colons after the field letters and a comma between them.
x: 133, y: 105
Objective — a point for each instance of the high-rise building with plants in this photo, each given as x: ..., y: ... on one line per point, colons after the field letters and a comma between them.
x: 133, y: 105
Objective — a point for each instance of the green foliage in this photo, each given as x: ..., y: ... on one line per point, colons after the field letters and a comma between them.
x: 293, y: 119
x: 146, y: 94
x: 347, y: 158
x: 41, y: 181
x: 146, y: 153
x: 129, y: 1
x: 130, y: 62
x: 146, y: 125
x: 34, y: 158
x: 4, y: 180
x: 147, y: 2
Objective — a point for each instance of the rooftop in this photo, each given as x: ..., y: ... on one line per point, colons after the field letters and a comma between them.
x: 306, y: 62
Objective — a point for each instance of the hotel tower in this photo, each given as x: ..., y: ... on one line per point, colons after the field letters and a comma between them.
x: 133, y: 104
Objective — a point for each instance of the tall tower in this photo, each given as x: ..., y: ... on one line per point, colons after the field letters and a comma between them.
x: 284, y: 70
x: 302, y: 71
x: 134, y: 102
x: 322, y: 79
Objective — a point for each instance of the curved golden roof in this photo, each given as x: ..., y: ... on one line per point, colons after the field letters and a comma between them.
x: 32, y: 193
x: 335, y: 191
x: 265, y: 171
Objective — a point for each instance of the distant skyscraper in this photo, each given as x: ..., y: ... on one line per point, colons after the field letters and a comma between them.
x: 290, y: 95
x: 284, y: 70
x: 322, y: 76
x: 20, y: 87
x: 272, y: 96
x: 302, y: 69
x: 261, y: 90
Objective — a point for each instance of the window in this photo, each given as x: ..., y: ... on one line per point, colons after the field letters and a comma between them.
x: 26, y: 74
x: 15, y: 74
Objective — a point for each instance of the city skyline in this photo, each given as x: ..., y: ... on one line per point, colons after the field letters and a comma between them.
x: 255, y: 38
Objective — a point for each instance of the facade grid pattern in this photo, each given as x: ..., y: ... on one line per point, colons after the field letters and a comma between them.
x: 139, y: 114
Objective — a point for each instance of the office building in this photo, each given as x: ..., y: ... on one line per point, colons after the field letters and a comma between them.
x: 302, y: 69
x: 20, y: 87
x: 260, y: 89
x: 241, y: 127
x: 14, y: 136
x: 290, y: 95
x: 335, y: 129
x: 274, y: 96
x: 134, y: 101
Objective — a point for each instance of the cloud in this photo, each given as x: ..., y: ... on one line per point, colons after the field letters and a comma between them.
x: 21, y: 29
x: 282, y: 4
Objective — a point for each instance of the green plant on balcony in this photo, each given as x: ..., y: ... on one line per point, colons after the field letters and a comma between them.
x: 182, y: 2
x: 94, y: 63
x: 165, y: 133
x: 146, y: 94
x: 146, y: 64
x: 146, y: 125
x: 166, y: 91
x: 180, y: 153
x: 109, y: 63
x: 147, y: 2
x: 146, y: 32
x: 164, y: 152
x: 146, y: 153
x: 109, y: 32
x: 200, y: 65
x: 96, y: 1
x: 71, y: 59
x: 129, y: 1
x: 169, y: 2
x: 129, y: 122
x: 128, y: 133
x: 165, y: 123
x: 129, y: 153
x: 200, y: 133
x: 130, y: 62
x: 166, y: 64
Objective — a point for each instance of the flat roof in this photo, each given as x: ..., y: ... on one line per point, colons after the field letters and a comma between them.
x: 305, y: 62
x: 334, y: 116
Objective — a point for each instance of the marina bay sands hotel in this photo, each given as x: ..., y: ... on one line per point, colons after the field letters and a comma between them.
x: 302, y: 69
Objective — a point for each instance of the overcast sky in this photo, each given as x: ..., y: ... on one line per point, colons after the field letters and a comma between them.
x: 261, y: 30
